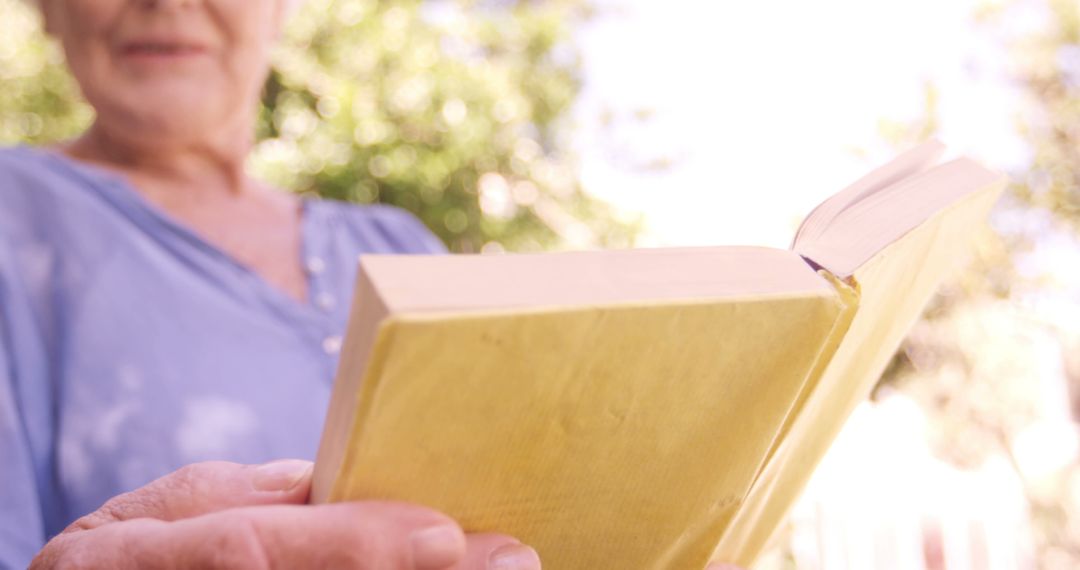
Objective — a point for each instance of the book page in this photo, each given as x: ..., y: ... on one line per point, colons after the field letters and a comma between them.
x: 868, y: 226
x: 916, y: 160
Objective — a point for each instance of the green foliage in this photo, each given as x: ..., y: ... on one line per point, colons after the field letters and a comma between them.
x: 39, y: 100
x: 1048, y: 67
x: 453, y: 109
x: 980, y: 399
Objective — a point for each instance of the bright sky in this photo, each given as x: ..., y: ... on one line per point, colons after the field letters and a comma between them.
x: 766, y: 108
x: 763, y: 108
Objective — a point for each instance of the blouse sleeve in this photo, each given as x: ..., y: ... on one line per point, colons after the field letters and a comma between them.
x: 22, y: 525
x: 401, y: 231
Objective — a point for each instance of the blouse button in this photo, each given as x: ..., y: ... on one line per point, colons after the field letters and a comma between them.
x: 324, y: 301
x: 331, y: 344
x: 315, y: 265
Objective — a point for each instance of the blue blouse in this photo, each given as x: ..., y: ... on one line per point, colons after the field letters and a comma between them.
x: 129, y: 346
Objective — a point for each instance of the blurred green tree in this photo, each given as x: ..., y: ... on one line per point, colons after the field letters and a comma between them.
x: 1047, y: 66
x: 38, y: 101
x: 982, y: 406
x: 456, y: 110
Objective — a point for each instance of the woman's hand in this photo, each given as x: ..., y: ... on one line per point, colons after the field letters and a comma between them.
x: 225, y: 515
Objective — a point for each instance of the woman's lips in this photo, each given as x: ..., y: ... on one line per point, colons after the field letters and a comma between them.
x: 163, y: 51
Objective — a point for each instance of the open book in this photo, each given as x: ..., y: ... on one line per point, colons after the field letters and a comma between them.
x: 640, y: 409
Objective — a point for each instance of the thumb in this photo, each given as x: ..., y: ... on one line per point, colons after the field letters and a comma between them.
x: 202, y: 488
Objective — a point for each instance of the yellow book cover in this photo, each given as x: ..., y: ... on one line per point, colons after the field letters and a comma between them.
x: 646, y: 409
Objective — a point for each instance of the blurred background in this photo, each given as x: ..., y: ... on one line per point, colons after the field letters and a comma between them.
x: 523, y: 125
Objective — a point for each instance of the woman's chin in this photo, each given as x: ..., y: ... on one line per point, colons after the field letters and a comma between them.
x: 184, y: 106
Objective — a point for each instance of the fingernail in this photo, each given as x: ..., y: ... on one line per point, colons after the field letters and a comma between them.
x: 437, y: 547
x: 514, y: 557
x: 280, y: 476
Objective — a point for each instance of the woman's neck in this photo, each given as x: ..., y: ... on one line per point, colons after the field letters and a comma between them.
x: 214, y: 165
x: 204, y: 187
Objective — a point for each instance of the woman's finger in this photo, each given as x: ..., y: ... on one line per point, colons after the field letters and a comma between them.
x: 497, y: 552
x: 390, y: 536
x: 228, y: 515
x: 208, y: 487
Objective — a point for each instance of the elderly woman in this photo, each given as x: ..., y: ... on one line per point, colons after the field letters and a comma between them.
x: 159, y: 308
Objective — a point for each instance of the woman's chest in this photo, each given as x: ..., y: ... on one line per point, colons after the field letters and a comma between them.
x: 147, y: 387
x: 261, y: 230
x: 162, y: 354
